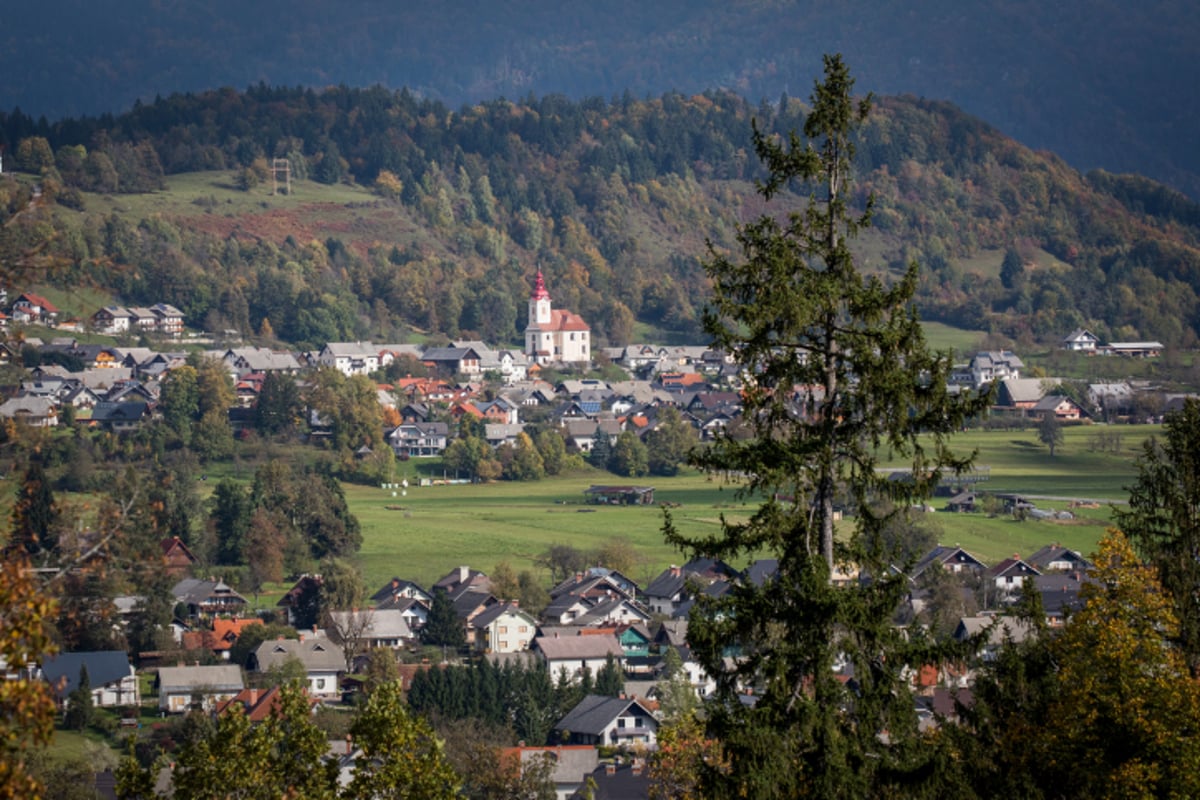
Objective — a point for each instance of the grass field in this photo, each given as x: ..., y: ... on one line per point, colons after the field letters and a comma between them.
x: 427, y: 532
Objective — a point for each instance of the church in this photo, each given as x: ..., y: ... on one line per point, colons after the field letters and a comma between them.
x: 555, y: 336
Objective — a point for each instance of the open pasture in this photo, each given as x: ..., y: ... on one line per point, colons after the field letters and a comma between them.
x: 430, y: 530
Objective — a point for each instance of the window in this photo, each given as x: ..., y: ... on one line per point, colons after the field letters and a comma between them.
x: 523, y: 629
x: 503, y: 629
x: 621, y: 722
x: 320, y: 684
x: 503, y: 644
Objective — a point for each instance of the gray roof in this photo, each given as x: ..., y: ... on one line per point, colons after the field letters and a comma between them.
x: 581, y: 647
x: 315, y: 653
x: 225, y: 677
x: 595, y: 712
x: 382, y: 623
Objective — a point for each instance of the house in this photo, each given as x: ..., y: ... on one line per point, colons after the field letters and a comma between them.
x: 462, y: 579
x: 31, y: 410
x: 142, y: 319
x: 666, y: 593
x: 1062, y: 407
x: 994, y: 365
x: 610, y: 721
x: 596, y: 582
x: 470, y: 603
x: 258, y: 704
x: 1009, y: 575
x: 112, y: 678
x: 121, y: 416
x: 168, y: 319
x: 221, y: 638
x: 300, y: 601
x: 208, y: 597
x: 112, y: 320
x: 209, y: 685
x: 177, y: 557
x: 30, y: 308
x: 350, y: 358
x: 616, y: 781
x: 954, y: 560
x: 398, y: 588
x: 376, y: 627
x: 1112, y: 399
x: 323, y: 661
x: 576, y: 653
x: 1080, y: 341
x: 1019, y: 394
x: 504, y: 628
x: 1058, y: 558
x: 571, y: 764
x: 453, y: 360
x: 419, y: 439
x: 555, y: 336
x: 993, y: 631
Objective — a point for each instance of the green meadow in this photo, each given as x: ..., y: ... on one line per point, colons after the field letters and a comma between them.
x: 425, y: 531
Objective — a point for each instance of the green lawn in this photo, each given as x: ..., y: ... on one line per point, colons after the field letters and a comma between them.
x: 424, y: 534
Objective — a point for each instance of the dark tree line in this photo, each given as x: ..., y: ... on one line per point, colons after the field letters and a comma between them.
x: 523, y: 697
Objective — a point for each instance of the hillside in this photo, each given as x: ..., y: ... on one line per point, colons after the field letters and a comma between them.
x: 407, y: 217
x: 1103, y: 83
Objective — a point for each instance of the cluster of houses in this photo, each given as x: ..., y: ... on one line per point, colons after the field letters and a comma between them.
x: 594, y: 617
x: 162, y: 319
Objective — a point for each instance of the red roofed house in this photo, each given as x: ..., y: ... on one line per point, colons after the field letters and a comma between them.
x: 30, y: 307
x: 555, y: 337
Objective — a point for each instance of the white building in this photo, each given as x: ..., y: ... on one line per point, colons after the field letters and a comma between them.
x: 555, y: 336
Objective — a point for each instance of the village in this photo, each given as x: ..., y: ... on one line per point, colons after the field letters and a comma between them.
x: 622, y: 644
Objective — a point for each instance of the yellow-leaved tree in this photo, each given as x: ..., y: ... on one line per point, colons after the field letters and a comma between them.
x: 1126, y: 719
x: 26, y: 704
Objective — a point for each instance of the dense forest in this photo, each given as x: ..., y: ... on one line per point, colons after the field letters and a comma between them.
x: 1098, y: 83
x: 614, y: 200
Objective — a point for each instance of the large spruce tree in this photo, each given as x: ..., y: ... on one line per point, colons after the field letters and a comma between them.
x: 1163, y: 517
x: 836, y: 371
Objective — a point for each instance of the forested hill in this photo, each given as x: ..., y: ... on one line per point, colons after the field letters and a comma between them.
x: 407, y: 215
x: 1105, y: 84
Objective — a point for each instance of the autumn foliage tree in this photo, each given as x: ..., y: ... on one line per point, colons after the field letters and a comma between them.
x: 1126, y: 720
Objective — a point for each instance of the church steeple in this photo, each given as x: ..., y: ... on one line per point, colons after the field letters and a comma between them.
x: 539, y: 303
x: 539, y: 288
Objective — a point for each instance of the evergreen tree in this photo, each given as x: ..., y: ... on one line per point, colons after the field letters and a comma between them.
x: 1163, y: 517
x: 231, y: 509
x: 1012, y: 270
x: 279, y: 403
x: 443, y: 628
x: 34, y: 514
x: 798, y: 313
x: 79, y: 703
x: 609, y: 680
x: 601, y: 451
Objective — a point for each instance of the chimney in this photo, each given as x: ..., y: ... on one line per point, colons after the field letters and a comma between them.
x: 464, y: 572
x: 676, y: 571
x: 610, y: 769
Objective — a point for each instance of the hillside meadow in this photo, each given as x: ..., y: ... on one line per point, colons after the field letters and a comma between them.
x: 425, y: 531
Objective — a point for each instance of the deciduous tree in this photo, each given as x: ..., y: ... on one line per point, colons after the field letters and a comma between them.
x: 400, y: 756
x: 1049, y: 432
